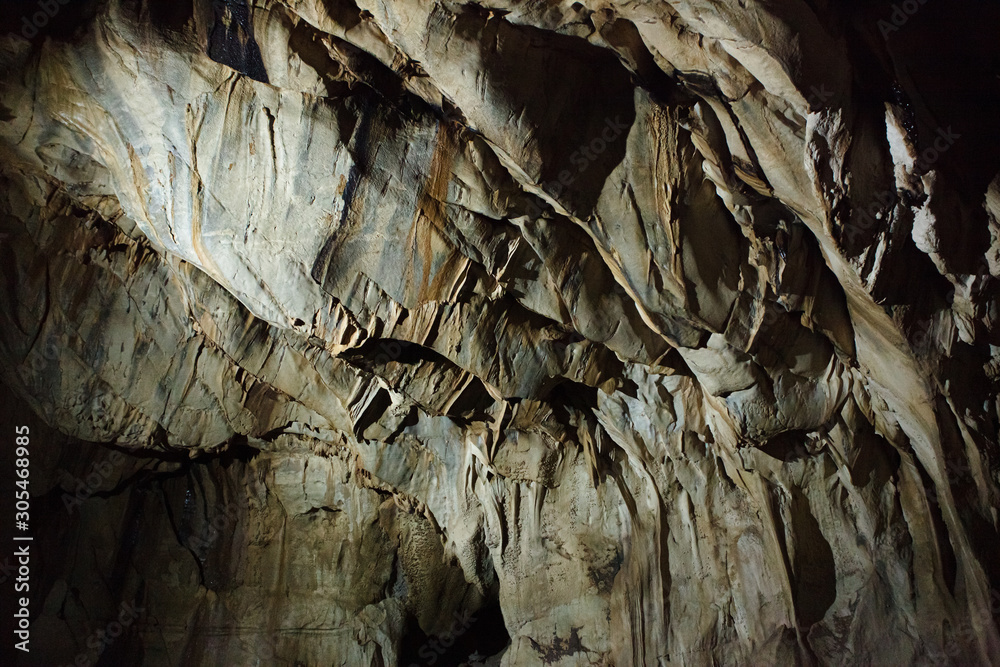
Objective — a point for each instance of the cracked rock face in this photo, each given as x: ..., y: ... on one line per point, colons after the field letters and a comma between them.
x: 593, y: 333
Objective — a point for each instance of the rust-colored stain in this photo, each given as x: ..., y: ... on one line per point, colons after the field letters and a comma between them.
x: 138, y: 177
x: 431, y: 217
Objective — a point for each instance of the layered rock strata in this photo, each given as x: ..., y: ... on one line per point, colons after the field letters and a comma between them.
x: 618, y: 333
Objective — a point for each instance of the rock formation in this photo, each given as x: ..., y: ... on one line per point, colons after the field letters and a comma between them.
x: 662, y: 332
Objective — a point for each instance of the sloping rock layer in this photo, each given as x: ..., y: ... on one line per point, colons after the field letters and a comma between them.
x: 593, y: 333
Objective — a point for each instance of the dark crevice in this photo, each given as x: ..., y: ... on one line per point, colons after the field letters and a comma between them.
x: 169, y: 16
x: 788, y: 446
x: 623, y: 35
x: 232, y: 42
x: 377, y: 352
x: 815, y: 572
x: 304, y: 42
x: 949, y: 562
x: 472, y: 638
x: 472, y: 404
x: 574, y: 395
x: 876, y: 461
x: 372, y: 412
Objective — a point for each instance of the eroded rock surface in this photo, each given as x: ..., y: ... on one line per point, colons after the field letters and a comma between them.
x: 617, y: 333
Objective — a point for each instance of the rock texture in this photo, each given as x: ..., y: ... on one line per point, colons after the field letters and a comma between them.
x: 593, y: 333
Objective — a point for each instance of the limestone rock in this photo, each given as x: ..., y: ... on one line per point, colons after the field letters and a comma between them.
x: 595, y: 333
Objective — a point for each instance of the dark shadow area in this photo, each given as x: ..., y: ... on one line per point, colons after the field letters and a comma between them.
x: 876, y: 461
x: 814, y: 570
x: 946, y: 88
x: 473, y: 638
x: 949, y: 562
x: 380, y: 351
x: 231, y: 41
x: 170, y: 15
x: 581, y: 130
x: 57, y: 19
x: 788, y: 446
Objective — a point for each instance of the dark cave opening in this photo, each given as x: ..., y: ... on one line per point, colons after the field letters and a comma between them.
x: 473, y: 638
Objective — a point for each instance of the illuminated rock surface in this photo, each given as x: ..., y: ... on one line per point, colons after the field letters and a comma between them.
x: 628, y: 333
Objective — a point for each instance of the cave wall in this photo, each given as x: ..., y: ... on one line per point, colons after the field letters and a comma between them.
x: 641, y: 333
